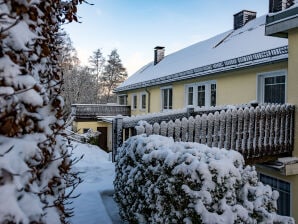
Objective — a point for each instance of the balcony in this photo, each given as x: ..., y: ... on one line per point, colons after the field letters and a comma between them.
x: 93, y: 111
x: 260, y: 133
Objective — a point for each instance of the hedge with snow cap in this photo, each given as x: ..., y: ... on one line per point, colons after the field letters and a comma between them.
x: 162, y: 181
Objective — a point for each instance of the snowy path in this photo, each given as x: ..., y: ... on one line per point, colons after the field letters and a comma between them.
x: 95, y: 205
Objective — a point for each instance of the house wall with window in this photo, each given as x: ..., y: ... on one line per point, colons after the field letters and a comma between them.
x: 287, y: 188
x: 234, y: 87
x: 292, y: 90
x: 275, y: 80
x: 80, y: 126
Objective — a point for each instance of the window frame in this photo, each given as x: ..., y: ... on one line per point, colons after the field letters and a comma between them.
x: 141, y: 101
x: 261, y: 83
x: 134, y: 103
x: 274, y: 188
x: 125, y: 99
x: 207, y: 90
x: 169, y: 98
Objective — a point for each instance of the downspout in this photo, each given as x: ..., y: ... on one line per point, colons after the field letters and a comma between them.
x: 147, y: 91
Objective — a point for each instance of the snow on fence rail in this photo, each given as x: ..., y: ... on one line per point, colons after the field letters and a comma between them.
x: 258, y: 133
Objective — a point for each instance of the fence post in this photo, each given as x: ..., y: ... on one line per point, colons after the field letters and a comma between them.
x: 117, y: 141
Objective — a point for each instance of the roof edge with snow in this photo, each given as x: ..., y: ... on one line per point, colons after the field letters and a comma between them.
x: 262, y: 57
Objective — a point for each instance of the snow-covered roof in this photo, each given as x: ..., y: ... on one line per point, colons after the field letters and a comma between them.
x: 233, y: 49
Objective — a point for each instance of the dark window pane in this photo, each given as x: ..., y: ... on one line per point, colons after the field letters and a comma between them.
x: 170, y: 99
x: 144, y: 101
x: 274, y: 90
x: 190, y: 96
x: 213, y: 94
x: 201, y: 96
x: 134, y: 102
x: 165, y: 99
x: 283, y: 202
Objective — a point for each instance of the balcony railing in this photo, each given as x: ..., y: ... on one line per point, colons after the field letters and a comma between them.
x: 261, y: 133
x: 92, y: 111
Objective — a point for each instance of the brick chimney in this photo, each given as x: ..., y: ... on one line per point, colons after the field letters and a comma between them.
x: 241, y: 18
x: 279, y: 5
x: 159, y: 53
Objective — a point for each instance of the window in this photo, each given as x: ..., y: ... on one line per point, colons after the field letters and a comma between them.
x: 190, y: 95
x: 134, y: 101
x: 213, y: 95
x: 167, y: 98
x: 122, y: 99
x: 272, y: 87
x: 85, y: 130
x: 143, y: 101
x: 284, y: 189
x: 201, y: 94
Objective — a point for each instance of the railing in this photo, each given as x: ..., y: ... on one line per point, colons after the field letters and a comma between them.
x: 87, y: 111
x: 259, y: 133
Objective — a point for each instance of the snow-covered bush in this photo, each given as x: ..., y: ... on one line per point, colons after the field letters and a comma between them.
x: 162, y: 181
x: 90, y: 136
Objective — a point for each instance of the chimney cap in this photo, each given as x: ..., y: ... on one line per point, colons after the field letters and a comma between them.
x: 245, y: 10
x: 159, y: 47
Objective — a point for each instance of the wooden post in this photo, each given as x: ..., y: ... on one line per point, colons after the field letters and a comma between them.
x: 117, y: 127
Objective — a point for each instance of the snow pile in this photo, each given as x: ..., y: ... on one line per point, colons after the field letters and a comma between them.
x: 162, y: 181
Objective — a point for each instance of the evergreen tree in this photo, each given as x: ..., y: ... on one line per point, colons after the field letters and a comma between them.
x: 97, y: 61
x: 113, y: 74
x: 34, y: 160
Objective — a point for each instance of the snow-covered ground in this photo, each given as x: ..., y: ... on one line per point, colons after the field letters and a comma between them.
x: 95, y: 204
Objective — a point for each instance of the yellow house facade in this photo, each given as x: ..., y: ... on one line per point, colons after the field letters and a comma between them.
x: 237, y: 67
x: 98, y: 118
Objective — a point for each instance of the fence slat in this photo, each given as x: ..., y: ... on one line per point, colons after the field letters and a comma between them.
x: 277, y: 130
x: 191, y: 127
x: 204, y: 131
x: 222, y: 129
x: 239, y: 130
x: 228, y: 129
x: 216, y: 132
x: 251, y: 134
x: 171, y: 129
x: 261, y: 131
x: 156, y: 128
x: 234, y: 129
x: 198, y: 128
x: 184, y: 129
x: 210, y: 129
x: 282, y: 128
x: 163, y: 128
x: 244, y: 145
x: 177, y: 130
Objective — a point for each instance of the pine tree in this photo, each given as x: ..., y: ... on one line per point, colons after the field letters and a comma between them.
x: 97, y: 61
x: 34, y: 160
x: 113, y: 74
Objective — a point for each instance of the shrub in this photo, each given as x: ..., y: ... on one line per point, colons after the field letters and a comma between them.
x: 162, y: 181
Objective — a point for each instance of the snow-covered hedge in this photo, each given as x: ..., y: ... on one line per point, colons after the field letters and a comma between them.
x: 162, y: 181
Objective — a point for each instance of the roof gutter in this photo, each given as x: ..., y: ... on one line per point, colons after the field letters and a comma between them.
x: 149, y: 98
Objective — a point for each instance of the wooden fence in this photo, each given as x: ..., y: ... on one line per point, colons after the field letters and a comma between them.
x: 259, y: 133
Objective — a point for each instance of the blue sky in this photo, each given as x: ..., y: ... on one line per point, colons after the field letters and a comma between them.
x: 135, y: 27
